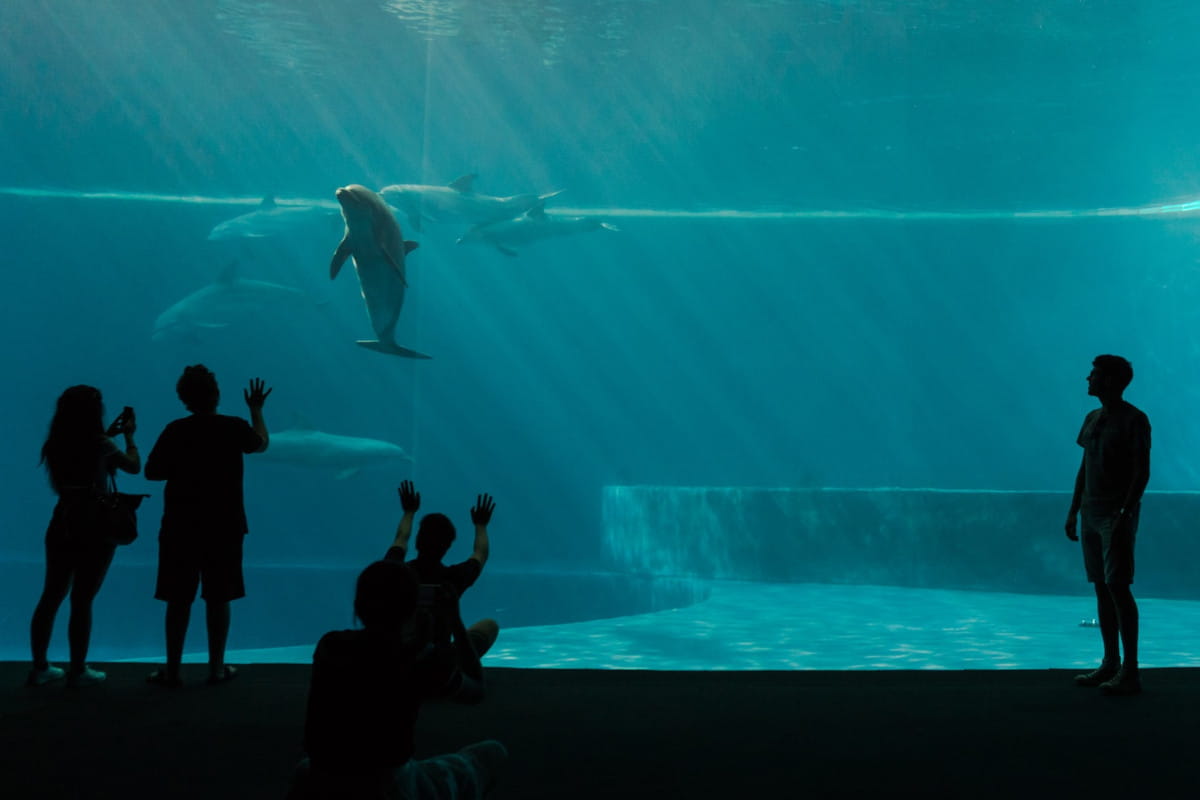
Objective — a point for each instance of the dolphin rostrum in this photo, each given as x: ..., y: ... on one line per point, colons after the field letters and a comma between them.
x: 456, y: 202
x: 533, y: 226
x: 378, y: 248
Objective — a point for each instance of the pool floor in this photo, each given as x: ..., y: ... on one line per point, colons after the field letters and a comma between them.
x: 757, y: 626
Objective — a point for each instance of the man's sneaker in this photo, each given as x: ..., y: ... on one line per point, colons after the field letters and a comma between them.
x: 1125, y: 682
x: 85, y: 677
x: 1105, y: 672
x: 40, y: 677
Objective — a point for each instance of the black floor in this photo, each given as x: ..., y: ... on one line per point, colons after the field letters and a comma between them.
x: 618, y: 734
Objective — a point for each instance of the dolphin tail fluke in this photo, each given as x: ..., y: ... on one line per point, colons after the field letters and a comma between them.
x: 389, y: 348
x: 542, y: 198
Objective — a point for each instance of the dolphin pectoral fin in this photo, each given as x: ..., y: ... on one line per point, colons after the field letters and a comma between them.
x: 506, y: 251
x: 410, y: 246
x: 339, y: 256
x: 268, y: 202
x: 390, y: 349
x: 349, y: 472
x: 464, y: 184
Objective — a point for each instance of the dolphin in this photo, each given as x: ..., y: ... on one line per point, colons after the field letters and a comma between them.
x: 456, y: 202
x: 345, y: 455
x: 230, y: 299
x: 374, y: 240
x: 532, y: 226
x: 270, y: 219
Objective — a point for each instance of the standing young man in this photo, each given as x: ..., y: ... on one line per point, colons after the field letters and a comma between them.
x: 1108, y: 492
x: 204, y: 519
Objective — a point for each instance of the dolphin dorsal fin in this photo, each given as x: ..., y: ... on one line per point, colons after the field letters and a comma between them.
x: 464, y: 184
x: 228, y: 274
x: 268, y: 202
x: 537, y: 211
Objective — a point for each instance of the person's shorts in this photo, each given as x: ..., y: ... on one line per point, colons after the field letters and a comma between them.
x: 1107, y: 558
x: 185, y: 563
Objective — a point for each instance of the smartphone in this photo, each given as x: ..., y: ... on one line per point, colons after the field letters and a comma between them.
x: 127, y: 412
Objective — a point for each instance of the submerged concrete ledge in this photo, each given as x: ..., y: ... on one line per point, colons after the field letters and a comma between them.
x: 1008, y: 541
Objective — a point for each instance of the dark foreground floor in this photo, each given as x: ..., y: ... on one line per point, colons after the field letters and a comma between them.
x: 588, y: 734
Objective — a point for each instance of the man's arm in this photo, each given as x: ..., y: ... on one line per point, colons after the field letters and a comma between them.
x: 1141, y: 474
x: 256, y: 396
x: 410, y: 503
x: 481, y: 515
x: 1076, y: 503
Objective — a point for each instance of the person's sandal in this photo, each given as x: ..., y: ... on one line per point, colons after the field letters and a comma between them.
x: 160, y: 678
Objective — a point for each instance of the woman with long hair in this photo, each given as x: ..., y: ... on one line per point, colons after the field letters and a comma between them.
x: 79, y: 455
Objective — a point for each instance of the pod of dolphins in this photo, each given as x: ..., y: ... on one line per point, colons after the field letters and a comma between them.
x: 374, y: 243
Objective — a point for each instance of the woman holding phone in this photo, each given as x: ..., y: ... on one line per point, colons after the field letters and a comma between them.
x: 79, y: 455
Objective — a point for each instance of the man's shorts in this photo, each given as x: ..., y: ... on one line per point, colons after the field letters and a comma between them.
x: 186, y: 562
x: 1107, y: 558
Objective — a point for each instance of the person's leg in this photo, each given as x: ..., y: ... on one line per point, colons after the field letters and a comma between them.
x: 179, y: 614
x: 217, y: 614
x: 1127, y: 620
x: 59, y: 573
x: 483, y: 635
x: 223, y: 582
x: 89, y: 576
x: 1110, y: 627
x: 1092, y: 545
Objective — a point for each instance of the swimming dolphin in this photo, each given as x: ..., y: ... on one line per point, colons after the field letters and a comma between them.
x: 228, y: 300
x: 533, y: 226
x: 374, y: 240
x: 456, y: 202
x: 270, y: 219
x: 346, y: 455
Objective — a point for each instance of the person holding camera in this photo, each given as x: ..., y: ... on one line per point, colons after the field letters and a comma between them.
x: 434, y: 536
x: 204, y: 517
x: 79, y: 455
x: 368, y: 685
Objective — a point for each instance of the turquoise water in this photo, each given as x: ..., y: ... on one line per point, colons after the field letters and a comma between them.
x: 860, y: 244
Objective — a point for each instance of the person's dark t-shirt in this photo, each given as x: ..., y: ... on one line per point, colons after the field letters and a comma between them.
x: 461, y: 576
x: 201, y: 459
x: 1114, y: 441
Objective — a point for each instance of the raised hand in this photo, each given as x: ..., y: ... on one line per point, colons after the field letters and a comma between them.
x: 410, y: 498
x: 481, y: 513
x: 255, y: 395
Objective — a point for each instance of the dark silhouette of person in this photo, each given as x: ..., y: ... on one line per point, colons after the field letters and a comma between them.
x: 367, y: 688
x: 434, y: 536
x: 1108, y: 493
x: 79, y: 455
x: 204, y: 517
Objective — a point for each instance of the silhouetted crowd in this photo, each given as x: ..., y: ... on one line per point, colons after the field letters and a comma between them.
x: 368, y: 684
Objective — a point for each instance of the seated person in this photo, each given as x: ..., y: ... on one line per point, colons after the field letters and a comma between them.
x: 434, y: 537
x: 367, y: 687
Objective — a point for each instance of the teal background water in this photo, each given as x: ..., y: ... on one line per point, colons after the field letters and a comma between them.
x: 920, y: 347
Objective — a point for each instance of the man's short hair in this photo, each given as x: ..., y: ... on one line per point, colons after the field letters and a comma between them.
x: 1116, y: 368
x: 197, y: 388
x: 385, y: 595
x: 435, y: 534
